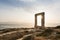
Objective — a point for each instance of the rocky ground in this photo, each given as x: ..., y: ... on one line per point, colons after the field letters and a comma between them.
x: 41, y: 34
x: 45, y: 34
x: 13, y: 34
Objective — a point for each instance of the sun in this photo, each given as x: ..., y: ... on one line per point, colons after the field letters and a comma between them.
x: 39, y: 20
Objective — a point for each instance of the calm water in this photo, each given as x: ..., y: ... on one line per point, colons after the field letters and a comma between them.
x: 3, y: 26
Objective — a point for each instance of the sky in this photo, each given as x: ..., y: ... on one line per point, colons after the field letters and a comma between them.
x: 23, y: 11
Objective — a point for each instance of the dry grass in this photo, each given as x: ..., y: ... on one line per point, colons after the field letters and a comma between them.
x: 14, y: 35
x: 47, y: 34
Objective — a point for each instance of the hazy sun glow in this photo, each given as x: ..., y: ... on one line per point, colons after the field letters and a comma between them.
x: 23, y: 12
x: 39, y: 20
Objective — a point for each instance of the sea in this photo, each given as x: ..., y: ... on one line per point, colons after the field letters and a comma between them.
x: 6, y: 25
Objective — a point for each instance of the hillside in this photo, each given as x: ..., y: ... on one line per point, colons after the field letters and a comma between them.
x: 49, y: 33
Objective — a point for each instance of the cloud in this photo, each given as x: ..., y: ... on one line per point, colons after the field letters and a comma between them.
x: 28, y: 0
x: 13, y: 3
x: 25, y: 9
